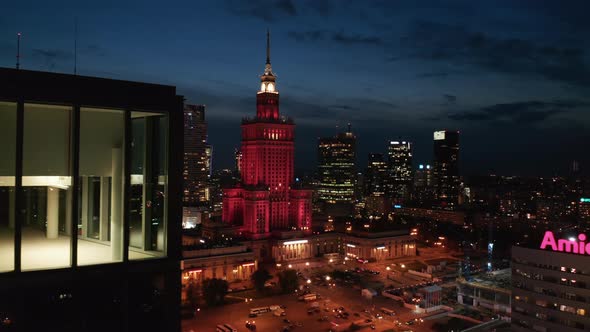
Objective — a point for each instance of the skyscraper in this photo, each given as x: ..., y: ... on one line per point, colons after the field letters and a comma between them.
x: 336, y: 168
x: 400, y: 169
x: 446, y: 167
x: 266, y: 199
x: 197, y: 156
x: 376, y: 177
x: 423, y: 190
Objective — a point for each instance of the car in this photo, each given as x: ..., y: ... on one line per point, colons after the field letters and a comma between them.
x: 251, y: 315
x: 283, y: 313
x: 283, y: 306
x: 285, y: 320
x: 372, y: 326
x: 410, y: 322
x: 368, y: 320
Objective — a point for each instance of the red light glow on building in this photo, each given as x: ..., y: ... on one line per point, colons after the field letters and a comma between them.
x: 265, y: 200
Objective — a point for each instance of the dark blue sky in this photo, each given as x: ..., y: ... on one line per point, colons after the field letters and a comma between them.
x: 513, y: 76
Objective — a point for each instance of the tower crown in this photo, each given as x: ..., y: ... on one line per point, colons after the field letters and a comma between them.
x: 268, y: 79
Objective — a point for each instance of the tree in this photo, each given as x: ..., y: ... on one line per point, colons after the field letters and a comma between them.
x: 288, y: 281
x: 214, y: 291
x: 259, y: 278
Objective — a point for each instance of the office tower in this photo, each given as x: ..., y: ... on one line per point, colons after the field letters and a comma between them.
x: 89, y: 239
x: 376, y: 177
x: 336, y: 169
x: 446, y: 167
x: 267, y: 199
x: 197, y: 156
x: 423, y: 190
x: 400, y: 170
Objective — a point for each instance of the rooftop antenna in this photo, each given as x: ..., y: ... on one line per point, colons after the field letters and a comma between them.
x: 75, y: 46
x: 18, y: 34
x: 268, y: 46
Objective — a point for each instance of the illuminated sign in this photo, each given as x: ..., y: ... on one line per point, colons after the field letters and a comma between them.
x: 350, y: 245
x: 566, y: 245
x: 248, y: 264
x: 584, y: 200
x: 380, y: 248
x: 397, y: 206
x: 295, y: 242
x: 439, y: 135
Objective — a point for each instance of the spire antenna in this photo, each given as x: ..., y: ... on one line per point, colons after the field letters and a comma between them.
x: 267, y: 46
x: 18, y: 34
x: 75, y: 46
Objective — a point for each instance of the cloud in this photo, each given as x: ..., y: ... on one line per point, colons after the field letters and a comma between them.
x: 433, y: 75
x: 266, y: 10
x: 51, y: 57
x: 338, y: 37
x: 450, y: 99
x: 311, y: 35
x: 322, y: 7
x: 442, y: 42
x: 526, y: 112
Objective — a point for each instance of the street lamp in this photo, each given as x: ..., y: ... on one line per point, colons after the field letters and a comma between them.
x: 306, y: 263
x: 327, y: 278
x: 308, y: 281
x: 290, y: 266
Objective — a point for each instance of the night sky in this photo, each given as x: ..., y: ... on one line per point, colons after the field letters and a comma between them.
x: 512, y: 76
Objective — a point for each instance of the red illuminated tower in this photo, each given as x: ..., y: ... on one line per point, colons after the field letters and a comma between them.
x: 266, y: 199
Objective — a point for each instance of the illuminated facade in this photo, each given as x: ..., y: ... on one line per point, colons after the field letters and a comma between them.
x: 197, y: 156
x: 376, y: 177
x: 446, y: 167
x: 423, y: 190
x: 550, y: 289
x: 88, y: 236
x: 336, y: 168
x: 266, y: 198
x: 400, y: 169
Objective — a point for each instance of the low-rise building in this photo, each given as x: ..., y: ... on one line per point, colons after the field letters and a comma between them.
x: 489, y: 291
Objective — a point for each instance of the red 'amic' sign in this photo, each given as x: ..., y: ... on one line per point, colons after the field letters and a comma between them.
x: 573, y: 245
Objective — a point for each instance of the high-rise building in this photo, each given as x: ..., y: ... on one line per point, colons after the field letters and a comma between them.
x: 423, y: 190
x: 89, y: 220
x: 376, y: 177
x: 446, y: 167
x: 266, y: 198
x: 197, y: 156
x: 336, y: 168
x: 400, y: 170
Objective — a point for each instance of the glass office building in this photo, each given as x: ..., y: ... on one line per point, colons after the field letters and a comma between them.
x: 90, y: 194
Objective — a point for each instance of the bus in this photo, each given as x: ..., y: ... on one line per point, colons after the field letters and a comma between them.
x: 230, y: 328
x: 222, y: 328
x: 260, y: 310
x: 388, y: 311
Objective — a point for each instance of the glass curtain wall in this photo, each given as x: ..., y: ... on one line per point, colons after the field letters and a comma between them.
x: 47, y: 187
x: 100, y: 207
x: 7, y: 193
x: 147, y: 206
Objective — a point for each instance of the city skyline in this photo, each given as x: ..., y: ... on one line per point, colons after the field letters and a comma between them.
x: 511, y: 78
